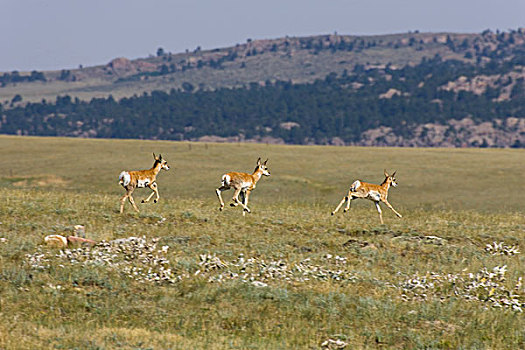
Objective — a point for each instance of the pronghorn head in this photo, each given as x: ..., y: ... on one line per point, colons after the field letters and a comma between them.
x: 391, y: 178
x: 263, y: 167
x: 163, y: 163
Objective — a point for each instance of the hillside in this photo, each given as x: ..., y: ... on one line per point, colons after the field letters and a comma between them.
x: 414, y: 89
x: 299, y: 60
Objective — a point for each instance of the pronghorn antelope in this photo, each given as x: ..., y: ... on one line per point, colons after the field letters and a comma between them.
x: 375, y: 193
x: 142, y: 178
x: 242, y: 183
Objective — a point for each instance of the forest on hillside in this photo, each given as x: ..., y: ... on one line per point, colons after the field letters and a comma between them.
x: 339, y: 107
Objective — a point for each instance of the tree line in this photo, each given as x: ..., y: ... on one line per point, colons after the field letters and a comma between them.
x: 340, y: 106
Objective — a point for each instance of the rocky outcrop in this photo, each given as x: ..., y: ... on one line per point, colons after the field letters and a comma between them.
x: 239, y: 138
x: 508, y: 132
x: 478, y: 84
x: 123, y: 66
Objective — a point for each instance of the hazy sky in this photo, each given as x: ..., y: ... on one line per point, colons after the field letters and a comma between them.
x: 56, y: 34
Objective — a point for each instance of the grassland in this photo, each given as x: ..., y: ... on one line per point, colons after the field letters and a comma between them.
x: 310, y: 277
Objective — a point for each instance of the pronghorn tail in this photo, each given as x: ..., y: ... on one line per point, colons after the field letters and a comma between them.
x: 355, y: 186
x: 226, y: 180
x: 124, y: 178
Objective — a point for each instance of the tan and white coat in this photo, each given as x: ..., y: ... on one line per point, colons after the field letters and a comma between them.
x: 130, y: 180
x: 242, y: 183
x: 375, y: 193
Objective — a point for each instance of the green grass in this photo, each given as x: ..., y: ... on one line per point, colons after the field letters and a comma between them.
x: 467, y: 197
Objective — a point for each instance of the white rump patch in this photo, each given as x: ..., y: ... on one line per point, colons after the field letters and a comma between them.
x: 124, y: 178
x: 355, y: 186
x: 226, y: 180
x: 143, y: 183
x: 56, y: 240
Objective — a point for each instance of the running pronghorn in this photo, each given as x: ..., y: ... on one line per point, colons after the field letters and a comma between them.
x: 142, y: 178
x: 242, y: 183
x: 375, y: 193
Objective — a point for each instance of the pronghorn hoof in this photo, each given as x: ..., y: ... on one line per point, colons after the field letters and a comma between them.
x: 221, y: 208
x: 332, y: 213
x: 143, y: 201
x: 154, y: 201
x: 232, y: 205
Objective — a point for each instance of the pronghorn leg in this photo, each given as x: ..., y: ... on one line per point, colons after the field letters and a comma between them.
x: 345, y: 198
x: 218, y: 191
x: 236, y: 200
x: 132, y: 201
x: 246, y: 194
x: 391, y: 207
x: 122, y: 201
x: 379, y: 211
x: 349, y: 203
x: 149, y: 197
x: 157, y: 194
x: 155, y: 190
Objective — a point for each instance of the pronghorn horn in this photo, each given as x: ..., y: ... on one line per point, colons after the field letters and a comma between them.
x: 154, y: 156
x: 265, y: 161
x: 394, y: 174
x: 160, y: 156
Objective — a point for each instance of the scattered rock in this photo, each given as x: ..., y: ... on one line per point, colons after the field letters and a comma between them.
x: 423, y: 239
x: 484, y: 286
x: 358, y: 244
x: 502, y: 249
x: 330, y: 344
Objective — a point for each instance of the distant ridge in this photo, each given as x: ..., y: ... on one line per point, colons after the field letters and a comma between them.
x: 295, y: 59
x: 412, y: 89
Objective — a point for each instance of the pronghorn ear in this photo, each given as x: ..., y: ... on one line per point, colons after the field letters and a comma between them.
x: 154, y: 156
x: 266, y: 161
x: 259, y: 161
x: 386, y: 174
x: 160, y: 156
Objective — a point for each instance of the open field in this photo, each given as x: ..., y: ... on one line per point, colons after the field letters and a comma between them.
x: 286, y: 276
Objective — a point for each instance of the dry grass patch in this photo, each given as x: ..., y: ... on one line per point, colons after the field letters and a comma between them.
x: 36, y: 181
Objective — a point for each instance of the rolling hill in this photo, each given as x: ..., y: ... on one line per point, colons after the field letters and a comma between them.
x: 412, y: 89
